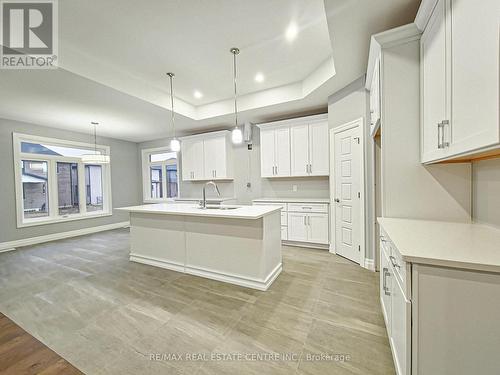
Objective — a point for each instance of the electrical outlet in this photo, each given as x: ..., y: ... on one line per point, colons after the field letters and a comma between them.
x: 294, y: 187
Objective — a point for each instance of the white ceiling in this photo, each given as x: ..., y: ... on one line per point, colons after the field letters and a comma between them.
x: 114, y: 55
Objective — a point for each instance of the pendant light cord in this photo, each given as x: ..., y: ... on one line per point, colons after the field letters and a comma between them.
x: 235, y: 52
x: 171, y: 75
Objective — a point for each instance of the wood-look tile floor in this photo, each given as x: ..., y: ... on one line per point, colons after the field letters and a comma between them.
x: 105, y: 315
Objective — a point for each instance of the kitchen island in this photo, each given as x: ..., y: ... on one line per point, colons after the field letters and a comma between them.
x: 236, y: 244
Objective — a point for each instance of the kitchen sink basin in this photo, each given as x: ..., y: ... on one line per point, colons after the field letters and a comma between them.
x: 222, y: 208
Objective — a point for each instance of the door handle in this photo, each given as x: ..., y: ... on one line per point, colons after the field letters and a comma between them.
x: 393, y: 261
x: 337, y: 200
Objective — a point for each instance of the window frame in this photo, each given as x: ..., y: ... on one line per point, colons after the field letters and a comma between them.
x: 52, y: 183
x: 146, y: 175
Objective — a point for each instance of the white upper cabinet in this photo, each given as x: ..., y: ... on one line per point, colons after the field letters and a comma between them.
x: 275, y: 152
x: 319, y: 159
x: 300, y: 150
x: 192, y: 159
x: 297, y: 147
x: 207, y: 157
x: 459, y: 76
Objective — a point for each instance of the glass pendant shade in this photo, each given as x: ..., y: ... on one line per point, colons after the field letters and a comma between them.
x: 237, y: 136
x: 175, y: 145
x: 95, y: 159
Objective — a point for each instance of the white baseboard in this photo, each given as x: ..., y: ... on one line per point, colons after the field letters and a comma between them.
x: 309, y: 245
x: 12, y: 245
x: 211, y: 274
x: 174, y: 266
x: 370, y: 264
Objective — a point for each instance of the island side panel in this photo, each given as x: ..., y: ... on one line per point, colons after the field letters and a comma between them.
x: 272, y: 260
x: 158, y: 240
x: 230, y: 250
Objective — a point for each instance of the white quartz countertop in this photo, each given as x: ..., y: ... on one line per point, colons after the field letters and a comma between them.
x: 293, y: 200
x: 460, y: 245
x: 241, y: 212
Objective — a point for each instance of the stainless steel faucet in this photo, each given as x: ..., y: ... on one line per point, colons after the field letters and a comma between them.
x: 203, y: 203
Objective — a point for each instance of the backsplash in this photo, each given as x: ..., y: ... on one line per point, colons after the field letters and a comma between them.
x: 486, y: 192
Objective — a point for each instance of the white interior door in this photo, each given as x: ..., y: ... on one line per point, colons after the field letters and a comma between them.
x: 349, y: 239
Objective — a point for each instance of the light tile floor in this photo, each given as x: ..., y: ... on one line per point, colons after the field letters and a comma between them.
x: 106, y: 315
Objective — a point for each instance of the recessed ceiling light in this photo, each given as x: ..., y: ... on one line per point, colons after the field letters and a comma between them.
x: 259, y: 77
x: 198, y: 94
x: 291, y: 31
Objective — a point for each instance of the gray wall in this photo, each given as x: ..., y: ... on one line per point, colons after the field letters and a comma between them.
x: 125, y: 180
x: 247, y: 169
x: 486, y: 192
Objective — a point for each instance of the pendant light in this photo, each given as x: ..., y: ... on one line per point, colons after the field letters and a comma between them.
x: 96, y: 157
x: 236, y: 135
x: 175, y: 144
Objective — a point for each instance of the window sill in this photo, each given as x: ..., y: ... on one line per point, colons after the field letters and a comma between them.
x: 44, y: 221
x: 165, y: 200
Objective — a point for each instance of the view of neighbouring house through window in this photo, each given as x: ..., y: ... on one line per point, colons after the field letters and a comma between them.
x: 35, y: 188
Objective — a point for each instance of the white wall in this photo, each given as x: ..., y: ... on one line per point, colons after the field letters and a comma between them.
x: 486, y: 192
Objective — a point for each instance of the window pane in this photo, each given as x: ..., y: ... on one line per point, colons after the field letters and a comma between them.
x: 156, y: 182
x: 172, y: 185
x: 67, y: 188
x: 35, y: 188
x: 93, y: 188
x: 162, y: 156
x: 46, y: 149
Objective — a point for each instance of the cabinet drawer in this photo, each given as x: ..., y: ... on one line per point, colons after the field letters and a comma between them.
x: 273, y: 204
x: 309, y: 207
x: 401, y: 269
x: 284, y: 219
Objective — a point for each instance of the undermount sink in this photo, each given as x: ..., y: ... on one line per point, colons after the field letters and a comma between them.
x: 218, y: 208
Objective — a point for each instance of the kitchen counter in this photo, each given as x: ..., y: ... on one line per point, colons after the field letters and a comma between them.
x: 214, y: 199
x: 241, y: 246
x: 240, y: 212
x: 293, y: 200
x: 459, y: 245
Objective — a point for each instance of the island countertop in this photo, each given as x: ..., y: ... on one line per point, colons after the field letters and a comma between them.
x: 240, y: 212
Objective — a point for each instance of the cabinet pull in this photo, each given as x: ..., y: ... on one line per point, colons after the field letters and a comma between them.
x: 386, y: 289
x: 393, y: 261
x: 276, y: 170
x: 440, y: 131
x: 444, y: 144
x: 305, y: 217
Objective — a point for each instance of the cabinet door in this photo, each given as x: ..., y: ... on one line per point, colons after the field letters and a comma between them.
x: 433, y: 83
x: 282, y: 152
x: 187, y: 157
x: 284, y: 233
x: 196, y: 161
x: 215, y: 158
x: 400, y: 328
x: 267, y: 153
x: 299, y: 139
x: 319, y: 155
x: 474, y: 64
x: 297, y: 227
x: 375, y: 95
x: 385, y: 288
x: 317, y: 228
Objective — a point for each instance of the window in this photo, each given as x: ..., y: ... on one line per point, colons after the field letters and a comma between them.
x: 53, y: 184
x: 160, y: 168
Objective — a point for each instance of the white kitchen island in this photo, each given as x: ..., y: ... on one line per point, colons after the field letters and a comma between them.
x: 239, y: 245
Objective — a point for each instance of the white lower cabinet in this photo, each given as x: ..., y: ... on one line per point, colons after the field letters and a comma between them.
x: 301, y: 222
x: 439, y: 320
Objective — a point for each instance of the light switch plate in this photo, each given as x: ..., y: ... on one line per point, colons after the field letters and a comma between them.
x: 294, y: 187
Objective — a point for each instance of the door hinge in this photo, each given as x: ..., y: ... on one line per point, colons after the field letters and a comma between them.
x: 359, y: 247
x: 359, y: 194
x: 357, y: 139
